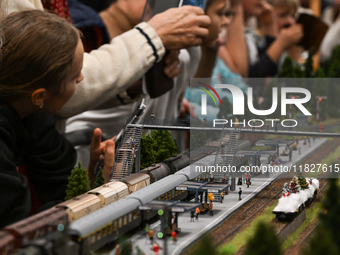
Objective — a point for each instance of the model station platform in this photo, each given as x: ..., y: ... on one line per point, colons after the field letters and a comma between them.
x: 192, y: 231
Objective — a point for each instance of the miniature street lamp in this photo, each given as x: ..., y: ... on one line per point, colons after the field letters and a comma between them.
x: 318, y: 100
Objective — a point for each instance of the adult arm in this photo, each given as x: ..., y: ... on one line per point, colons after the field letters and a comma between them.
x: 234, y: 54
x: 268, y: 63
x: 112, y: 68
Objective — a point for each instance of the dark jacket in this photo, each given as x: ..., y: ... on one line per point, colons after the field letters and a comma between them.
x: 49, y: 158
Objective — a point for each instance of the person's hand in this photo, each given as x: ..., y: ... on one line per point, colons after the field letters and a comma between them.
x: 186, y: 108
x: 97, y: 151
x: 181, y: 27
x: 268, y: 16
x: 290, y: 36
x: 172, y: 61
x: 267, y: 20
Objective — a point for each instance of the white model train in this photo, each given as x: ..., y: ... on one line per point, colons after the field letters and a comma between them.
x: 294, y: 199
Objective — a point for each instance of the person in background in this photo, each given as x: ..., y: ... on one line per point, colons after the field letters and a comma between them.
x: 41, y: 64
x: 285, y: 11
x: 118, y: 18
x: 111, y: 69
x: 233, y: 52
x: 265, y: 50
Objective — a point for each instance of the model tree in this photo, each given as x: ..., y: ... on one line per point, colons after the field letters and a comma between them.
x: 287, y: 70
x: 264, y: 241
x: 164, y: 145
x: 329, y: 217
x: 157, y: 147
x: 99, y: 179
x: 326, y: 239
x: 309, y: 64
x: 302, y: 181
x: 78, y: 182
x: 206, y: 246
x: 321, y: 243
x: 226, y: 109
x: 332, y: 65
x: 146, y: 154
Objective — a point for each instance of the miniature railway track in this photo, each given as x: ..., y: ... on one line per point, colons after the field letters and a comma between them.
x: 245, y: 214
x: 294, y: 249
x: 230, y: 228
x: 309, y: 230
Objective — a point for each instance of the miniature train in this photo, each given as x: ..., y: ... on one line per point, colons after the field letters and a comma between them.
x: 101, y: 215
x: 294, y: 199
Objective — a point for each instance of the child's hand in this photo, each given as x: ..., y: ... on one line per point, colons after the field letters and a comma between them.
x: 267, y: 20
x: 268, y: 16
x: 97, y: 150
x: 172, y: 61
x: 291, y: 35
x: 186, y: 108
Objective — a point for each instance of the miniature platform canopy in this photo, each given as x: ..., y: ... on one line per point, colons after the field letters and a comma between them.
x: 174, y: 206
x: 275, y: 143
x: 203, y: 187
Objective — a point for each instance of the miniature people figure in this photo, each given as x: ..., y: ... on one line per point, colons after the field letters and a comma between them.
x: 290, y: 154
x: 192, y: 215
x: 152, y: 117
x: 151, y: 235
x: 253, y: 123
x: 222, y: 147
x: 239, y: 182
x: 174, y: 236
x: 147, y: 232
x: 197, y: 212
x: 132, y: 144
x: 308, y: 139
x: 321, y: 127
x: 277, y: 161
x: 117, y: 249
x: 223, y: 179
x: 139, y: 251
x: 239, y: 194
x: 245, y: 178
x: 248, y: 183
x: 237, y: 125
x: 276, y: 123
x: 204, y: 121
x: 155, y: 248
x: 211, y: 209
x: 222, y: 196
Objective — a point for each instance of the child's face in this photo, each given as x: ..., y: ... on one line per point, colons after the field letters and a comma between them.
x: 285, y: 17
x: 252, y: 7
x: 216, y: 11
x: 56, y: 101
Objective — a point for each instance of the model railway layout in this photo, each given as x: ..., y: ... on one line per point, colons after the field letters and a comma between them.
x: 103, y: 214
